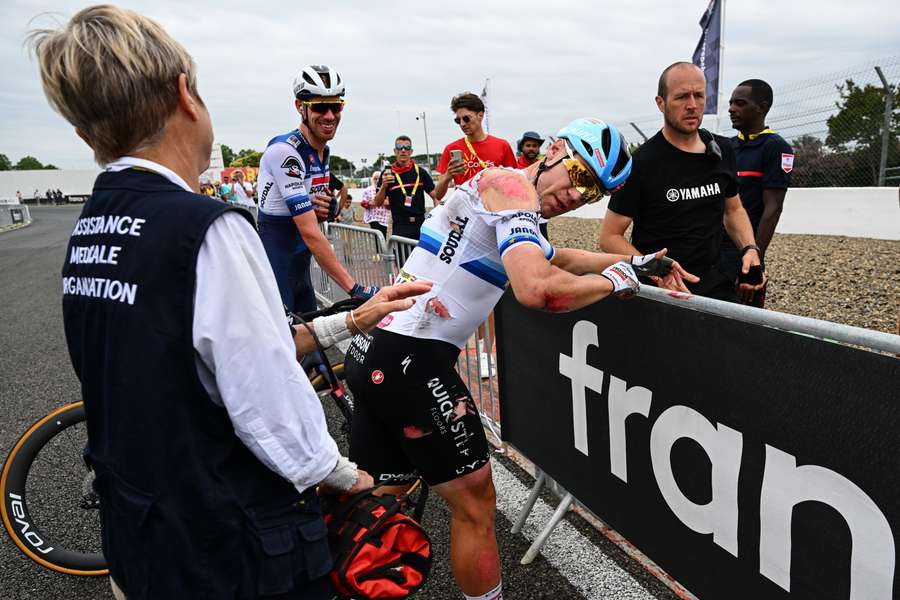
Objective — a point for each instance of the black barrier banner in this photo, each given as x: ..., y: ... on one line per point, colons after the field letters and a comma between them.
x: 747, y: 462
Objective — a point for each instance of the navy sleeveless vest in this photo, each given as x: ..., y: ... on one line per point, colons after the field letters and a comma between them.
x: 186, y: 511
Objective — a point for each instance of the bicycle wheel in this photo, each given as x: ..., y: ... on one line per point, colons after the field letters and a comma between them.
x: 49, y: 507
x: 320, y: 383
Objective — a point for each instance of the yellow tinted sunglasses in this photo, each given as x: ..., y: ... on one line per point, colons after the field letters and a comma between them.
x: 582, y: 178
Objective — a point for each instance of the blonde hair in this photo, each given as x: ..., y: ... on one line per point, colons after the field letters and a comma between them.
x: 113, y: 74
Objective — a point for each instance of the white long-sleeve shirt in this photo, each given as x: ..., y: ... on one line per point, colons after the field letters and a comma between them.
x: 245, y: 355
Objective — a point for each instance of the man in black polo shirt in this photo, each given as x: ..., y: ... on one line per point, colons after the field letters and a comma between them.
x: 405, y: 184
x: 764, y: 165
x: 682, y: 189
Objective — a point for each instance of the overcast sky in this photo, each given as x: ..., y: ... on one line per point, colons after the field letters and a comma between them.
x: 547, y: 62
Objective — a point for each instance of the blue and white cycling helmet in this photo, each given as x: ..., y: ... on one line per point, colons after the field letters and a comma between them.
x: 602, y: 147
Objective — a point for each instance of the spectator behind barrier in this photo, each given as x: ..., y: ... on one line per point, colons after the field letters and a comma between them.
x: 207, y: 439
x: 404, y: 184
x: 682, y: 188
x: 764, y: 165
x: 377, y: 217
x: 479, y: 150
x: 529, y: 147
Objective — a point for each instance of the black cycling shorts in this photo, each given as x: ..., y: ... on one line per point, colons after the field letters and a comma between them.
x: 412, y: 411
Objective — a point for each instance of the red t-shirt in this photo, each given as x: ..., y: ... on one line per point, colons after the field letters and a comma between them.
x: 522, y: 162
x: 493, y: 152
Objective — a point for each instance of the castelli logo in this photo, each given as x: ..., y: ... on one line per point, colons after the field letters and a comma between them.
x: 377, y: 377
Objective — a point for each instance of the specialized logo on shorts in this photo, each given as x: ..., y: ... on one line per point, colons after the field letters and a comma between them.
x: 406, y: 362
x: 377, y: 377
x: 787, y: 162
x: 292, y: 167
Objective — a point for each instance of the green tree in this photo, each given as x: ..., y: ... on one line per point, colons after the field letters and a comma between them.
x: 817, y: 165
x: 29, y: 163
x: 5, y: 165
x: 227, y: 155
x: 857, y: 127
x: 338, y: 164
x: 246, y: 158
x: 50, y: 167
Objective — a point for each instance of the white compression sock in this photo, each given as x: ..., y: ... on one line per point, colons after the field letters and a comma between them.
x: 494, y: 594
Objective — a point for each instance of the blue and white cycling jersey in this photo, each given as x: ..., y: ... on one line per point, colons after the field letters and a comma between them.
x: 290, y: 174
x: 460, y: 250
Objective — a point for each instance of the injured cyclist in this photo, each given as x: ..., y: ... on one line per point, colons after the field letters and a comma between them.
x: 413, y: 411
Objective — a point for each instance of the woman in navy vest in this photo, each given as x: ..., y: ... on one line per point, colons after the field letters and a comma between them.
x: 205, y: 435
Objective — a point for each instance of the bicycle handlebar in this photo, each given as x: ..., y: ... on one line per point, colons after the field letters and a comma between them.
x: 340, y: 306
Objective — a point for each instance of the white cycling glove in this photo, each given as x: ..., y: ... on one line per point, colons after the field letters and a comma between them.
x: 624, y: 281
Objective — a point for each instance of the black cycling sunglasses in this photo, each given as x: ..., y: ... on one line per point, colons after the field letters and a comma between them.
x: 323, y: 107
x: 463, y: 119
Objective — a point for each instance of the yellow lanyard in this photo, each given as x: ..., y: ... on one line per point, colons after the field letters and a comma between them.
x: 475, y: 154
x: 415, y: 185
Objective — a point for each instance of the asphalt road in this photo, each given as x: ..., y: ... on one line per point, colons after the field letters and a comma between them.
x: 35, y: 377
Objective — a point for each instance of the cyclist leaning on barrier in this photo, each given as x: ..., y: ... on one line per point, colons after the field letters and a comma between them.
x: 206, y: 438
x: 293, y: 177
x: 413, y: 410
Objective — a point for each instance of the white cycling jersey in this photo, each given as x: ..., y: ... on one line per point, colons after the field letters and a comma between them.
x: 290, y: 173
x: 460, y: 250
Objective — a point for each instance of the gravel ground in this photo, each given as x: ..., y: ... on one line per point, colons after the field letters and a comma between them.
x: 854, y: 281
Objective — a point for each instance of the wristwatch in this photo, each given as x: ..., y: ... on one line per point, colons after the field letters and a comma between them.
x: 751, y: 247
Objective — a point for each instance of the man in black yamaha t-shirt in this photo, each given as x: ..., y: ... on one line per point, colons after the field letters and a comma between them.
x: 682, y: 188
x: 405, y: 184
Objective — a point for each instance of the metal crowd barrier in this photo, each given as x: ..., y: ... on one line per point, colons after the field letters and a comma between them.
x: 372, y: 261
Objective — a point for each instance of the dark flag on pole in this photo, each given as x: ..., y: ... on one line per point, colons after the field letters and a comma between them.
x: 706, y: 56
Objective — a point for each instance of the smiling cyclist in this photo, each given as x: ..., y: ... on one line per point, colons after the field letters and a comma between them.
x: 293, y: 174
x: 413, y: 410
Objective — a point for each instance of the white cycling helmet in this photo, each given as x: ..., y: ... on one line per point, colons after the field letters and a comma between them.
x: 318, y: 80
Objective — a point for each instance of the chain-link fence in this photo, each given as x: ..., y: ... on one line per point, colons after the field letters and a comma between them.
x: 835, y: 122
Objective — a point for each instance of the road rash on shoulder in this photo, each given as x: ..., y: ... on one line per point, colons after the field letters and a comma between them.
x: 501, y: 189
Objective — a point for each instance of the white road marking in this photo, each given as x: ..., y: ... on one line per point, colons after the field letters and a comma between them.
x: 572, y: 554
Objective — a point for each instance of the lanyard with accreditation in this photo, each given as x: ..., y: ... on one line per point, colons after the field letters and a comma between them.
x: 483, y: 164
x: 408, y: 198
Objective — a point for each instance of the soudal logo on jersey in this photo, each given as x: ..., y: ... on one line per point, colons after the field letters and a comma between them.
x: 318, y: 184
x: 292, y: 167
x: 453, y: 239
x: 693, y: 193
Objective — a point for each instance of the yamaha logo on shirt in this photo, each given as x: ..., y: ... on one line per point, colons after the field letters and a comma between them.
x: 693, y: 193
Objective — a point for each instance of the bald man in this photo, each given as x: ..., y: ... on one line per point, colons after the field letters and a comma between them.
x: 683, y: 187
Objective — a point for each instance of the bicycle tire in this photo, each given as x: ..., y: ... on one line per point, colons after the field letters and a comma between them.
x: 17, y: 518
x: 320, y: 382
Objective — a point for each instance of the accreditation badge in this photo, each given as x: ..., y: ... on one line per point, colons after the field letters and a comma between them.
x: 407, y: 202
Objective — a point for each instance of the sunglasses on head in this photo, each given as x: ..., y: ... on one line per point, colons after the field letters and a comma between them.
x: 322, y: 106
x: 400, y: 147
x: 462, y: 119
x: 582, y: 178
